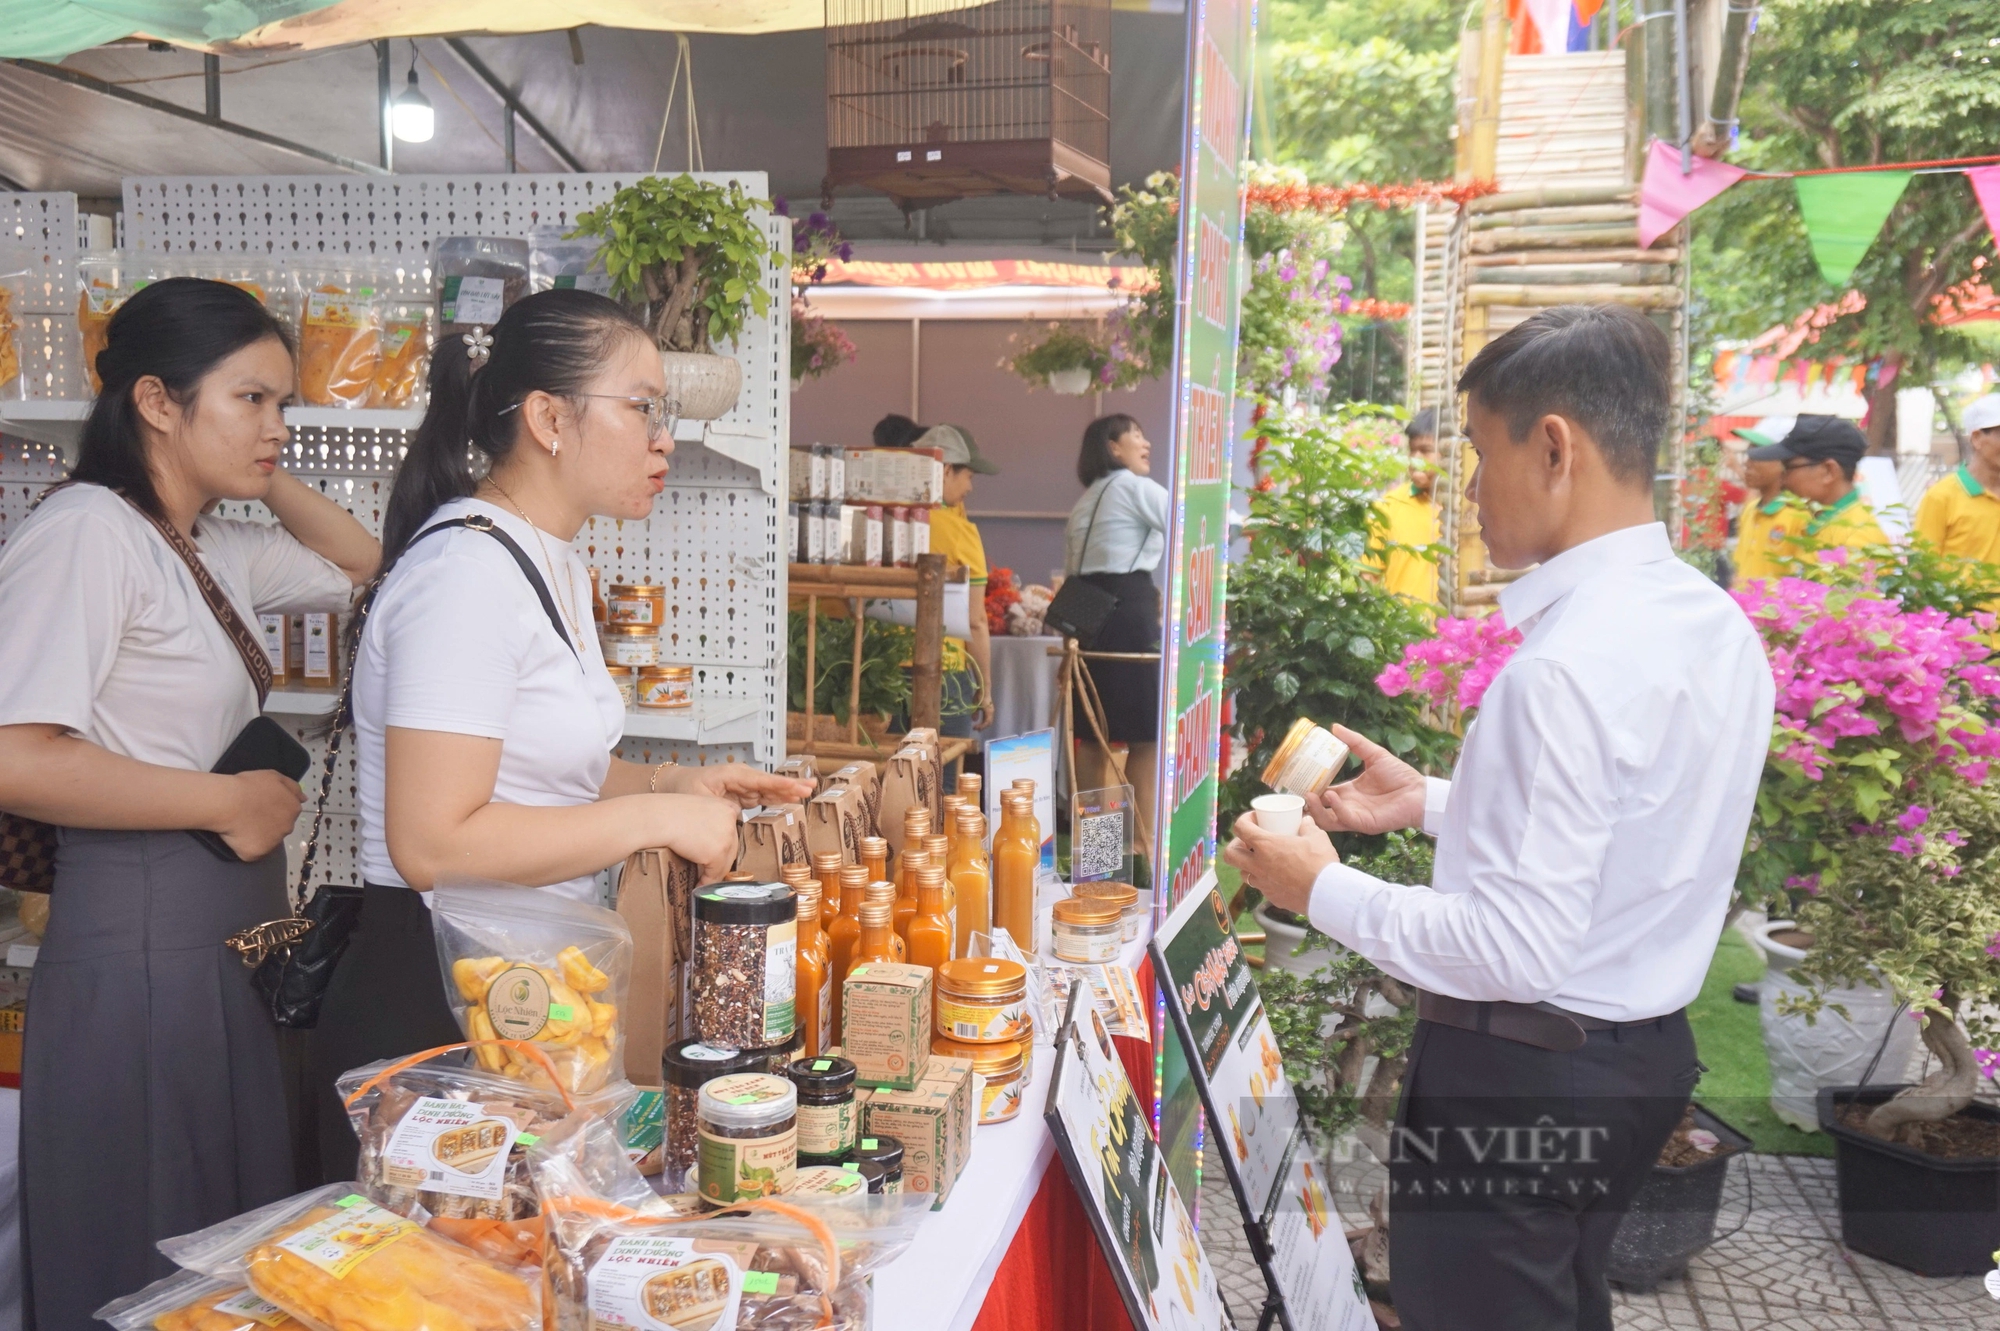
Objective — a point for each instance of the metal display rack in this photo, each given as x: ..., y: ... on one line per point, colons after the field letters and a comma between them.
x: 715, y: 536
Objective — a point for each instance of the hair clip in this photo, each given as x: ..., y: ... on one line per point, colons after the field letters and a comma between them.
x: 478, y: 344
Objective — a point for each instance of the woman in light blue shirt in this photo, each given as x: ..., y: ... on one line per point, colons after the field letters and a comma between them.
x: 1116, y: 537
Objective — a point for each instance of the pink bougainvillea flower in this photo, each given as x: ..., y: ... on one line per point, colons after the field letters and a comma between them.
x: 1456, y: 666
x: 1989, y: 1063
x: 1807, y: 883
x: 1913, y: 817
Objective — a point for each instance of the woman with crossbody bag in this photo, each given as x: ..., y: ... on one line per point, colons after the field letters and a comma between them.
x: 1116, y: 537
x: 484, y: 719
x: 128, y: 673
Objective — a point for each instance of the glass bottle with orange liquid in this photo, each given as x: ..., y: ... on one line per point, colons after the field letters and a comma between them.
x: 875, y: 857
x: 948, y: 821
x: 930, y: 934
x: 815, y: 990
x: 1015, y: 858
x: 916, y: 826
x: 938, y: 846
x: 1025, y: 785
x: 844, y: 928
x: 906, y: 905
x: 971, y: 875
x: 884, y: 891
x: 877, y: 938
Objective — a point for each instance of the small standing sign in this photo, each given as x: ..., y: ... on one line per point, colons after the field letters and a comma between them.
x: 1280, y: 1185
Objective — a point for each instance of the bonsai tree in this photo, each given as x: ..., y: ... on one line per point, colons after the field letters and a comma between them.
x: 688, y: 252
x: 1876, y: 827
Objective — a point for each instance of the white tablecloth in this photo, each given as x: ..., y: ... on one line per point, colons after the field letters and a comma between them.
x: 1024, y: 685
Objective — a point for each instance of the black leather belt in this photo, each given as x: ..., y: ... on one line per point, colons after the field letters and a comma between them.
x: 1543, y: 1025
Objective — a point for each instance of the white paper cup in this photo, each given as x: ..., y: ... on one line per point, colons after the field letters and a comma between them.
x: 1279, y: 813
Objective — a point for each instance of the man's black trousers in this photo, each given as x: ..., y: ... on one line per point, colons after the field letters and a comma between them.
x: 1511, y: 1166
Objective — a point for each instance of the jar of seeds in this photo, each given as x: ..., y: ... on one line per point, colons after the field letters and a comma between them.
x: 685, y: 1068
x: 745, y: 964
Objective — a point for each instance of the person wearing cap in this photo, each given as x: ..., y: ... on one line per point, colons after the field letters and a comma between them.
x: 968, y: 662
x: 1757, y: 525
x: 1410, y: 519
x: 1960, y: 515
x: 1820, y: 456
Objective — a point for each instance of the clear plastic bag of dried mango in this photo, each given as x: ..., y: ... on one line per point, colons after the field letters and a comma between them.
x: 335, y: 1261
x: 520, y: 964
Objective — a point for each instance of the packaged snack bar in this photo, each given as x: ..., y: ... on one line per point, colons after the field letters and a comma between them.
x: 340, y: 334
x: 448, y: 1141
x: 526, y: 965
x: 614, y: 1257
x: 335, y: 1260
x: 406, y: 355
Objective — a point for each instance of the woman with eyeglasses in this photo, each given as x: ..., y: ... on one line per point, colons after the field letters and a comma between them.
x: 484, y: 719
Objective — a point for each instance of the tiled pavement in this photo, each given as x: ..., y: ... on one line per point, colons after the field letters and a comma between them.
x: 1783, y: 1270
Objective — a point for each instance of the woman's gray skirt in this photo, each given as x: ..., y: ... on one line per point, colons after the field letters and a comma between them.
x: 152, y: 1102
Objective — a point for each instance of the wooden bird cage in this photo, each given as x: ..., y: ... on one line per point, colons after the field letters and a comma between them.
x: 928, y: 103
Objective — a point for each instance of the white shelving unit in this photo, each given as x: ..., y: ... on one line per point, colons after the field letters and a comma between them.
x: 715, y: 536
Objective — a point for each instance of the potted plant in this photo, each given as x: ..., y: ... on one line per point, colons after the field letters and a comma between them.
x: 692, y: 255
x: 1065, y: 357
x: 819, y: 346
x: 1673, y: 1215
x: 1877, y: 831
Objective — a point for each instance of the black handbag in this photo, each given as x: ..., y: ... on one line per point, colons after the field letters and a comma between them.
x: 292, y: 960
x: 1081, y: 609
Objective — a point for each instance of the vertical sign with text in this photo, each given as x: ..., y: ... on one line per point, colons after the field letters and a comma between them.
x: 1221, y: 41
x: 1221, y: 34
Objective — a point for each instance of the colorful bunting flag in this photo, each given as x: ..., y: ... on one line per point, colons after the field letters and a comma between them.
x: 1843, y: 212
x: 1986, y: 187
x: 1666, y: 196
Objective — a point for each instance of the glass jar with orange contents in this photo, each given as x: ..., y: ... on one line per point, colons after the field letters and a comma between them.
x: 983, y: 1000
x: 1086, y: 930
x: 1122, y: 895
x: 1003, y: 1069
x: 666, y: 688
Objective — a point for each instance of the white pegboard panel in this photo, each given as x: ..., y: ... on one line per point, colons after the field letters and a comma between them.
x: 39, y: 233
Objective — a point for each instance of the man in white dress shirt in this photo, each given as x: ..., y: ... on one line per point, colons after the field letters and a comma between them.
x: 1587, y: 848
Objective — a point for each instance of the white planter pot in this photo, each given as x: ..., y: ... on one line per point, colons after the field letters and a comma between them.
x: 704, y: 385
x: 1070, y: 383
x: 1281, y: 941
x: 1833, y: 1050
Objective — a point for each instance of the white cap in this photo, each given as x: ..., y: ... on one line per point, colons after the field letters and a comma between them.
x: 1983, y: 414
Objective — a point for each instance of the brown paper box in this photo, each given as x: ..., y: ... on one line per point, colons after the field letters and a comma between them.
x: 803, y: 767
x: 886, y: 1023
x: 773, y: 839
x: 926, y: 741
x: 907, y: 786
x: 656, y: 901
x: 869, y: 780
x: 952, y: 1078
x: 921, y: 1120
x: 836, y: 821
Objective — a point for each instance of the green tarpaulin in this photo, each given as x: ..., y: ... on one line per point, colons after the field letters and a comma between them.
x: 1844, y: 213
x: 53, y: 29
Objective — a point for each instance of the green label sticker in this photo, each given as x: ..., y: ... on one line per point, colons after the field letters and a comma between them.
x: 526, y: 1138
x: 760, y: 1282
x: 561, y: 1012
x: 351, y: 1199
x: 822, y: 1064
x: 868, y: 1143
x: 850, y: 1166
x: 745, y: 1099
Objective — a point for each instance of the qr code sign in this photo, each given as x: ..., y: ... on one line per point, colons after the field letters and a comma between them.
x: 1098, y: 849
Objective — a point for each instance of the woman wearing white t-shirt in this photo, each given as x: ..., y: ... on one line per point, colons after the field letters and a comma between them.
x: 152, y: 1101
x: 484, y: 718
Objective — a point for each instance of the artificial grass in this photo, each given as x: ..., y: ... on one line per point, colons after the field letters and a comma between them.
x: 1729, y: 1039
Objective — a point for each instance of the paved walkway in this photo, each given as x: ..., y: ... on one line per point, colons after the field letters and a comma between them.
x: 1784, y: 1269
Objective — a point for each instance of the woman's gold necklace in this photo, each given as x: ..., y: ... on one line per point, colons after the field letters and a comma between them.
x: 561, y: 584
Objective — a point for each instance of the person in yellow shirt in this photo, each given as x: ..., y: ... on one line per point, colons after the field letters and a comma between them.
x: 1960, y: 515
x: 1410, y: 518
x: 968, y: 662
x: 1820, y: 457
x: 1758, y: 522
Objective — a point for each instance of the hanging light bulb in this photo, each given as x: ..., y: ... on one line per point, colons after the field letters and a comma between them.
x: 411, y: 118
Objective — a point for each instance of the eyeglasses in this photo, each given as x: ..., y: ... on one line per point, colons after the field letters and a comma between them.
x: 661, y: 412
x: 1793, y: 464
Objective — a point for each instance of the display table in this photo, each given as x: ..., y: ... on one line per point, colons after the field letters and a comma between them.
x: 1012, y: 1229
x: 1024, y: 685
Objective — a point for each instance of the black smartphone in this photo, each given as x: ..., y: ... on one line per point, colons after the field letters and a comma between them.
x: 261, y: 746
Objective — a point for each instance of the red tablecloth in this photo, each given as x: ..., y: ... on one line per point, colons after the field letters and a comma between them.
x: 1055, y: 1277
